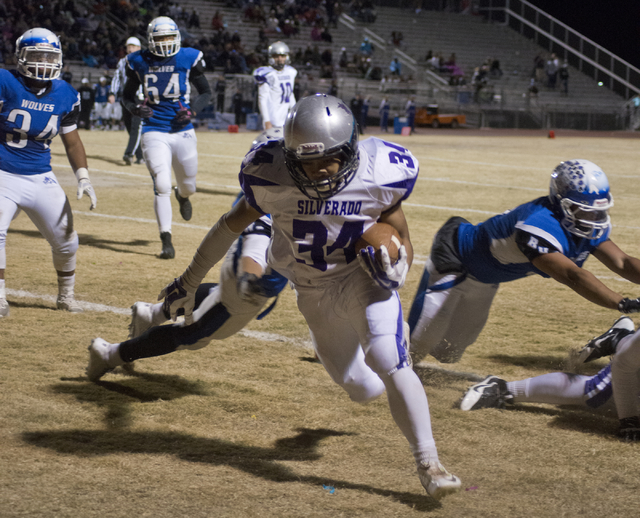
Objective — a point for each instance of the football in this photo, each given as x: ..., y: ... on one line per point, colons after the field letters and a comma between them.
x: 381, y: 234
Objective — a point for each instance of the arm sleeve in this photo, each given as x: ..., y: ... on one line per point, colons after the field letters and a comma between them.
x: 130, y: 90
x: 533, y: 246
x: 199, y: 80
x: 263, y: 101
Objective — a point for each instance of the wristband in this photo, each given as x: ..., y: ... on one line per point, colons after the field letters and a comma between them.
x: 82, y: 173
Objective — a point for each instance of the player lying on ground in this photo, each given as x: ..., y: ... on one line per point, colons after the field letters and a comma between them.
x: 551, y: 236
x: 35, y: 106
x: 617, y: 383
x: 323, y: 192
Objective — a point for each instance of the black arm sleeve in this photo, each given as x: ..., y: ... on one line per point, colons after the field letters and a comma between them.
x: 129, y: 95
x: 199, y: 80
x: 533, y: 246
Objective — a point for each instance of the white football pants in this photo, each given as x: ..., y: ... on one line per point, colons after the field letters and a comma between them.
x: 43, y: 200
x: 162, y: 151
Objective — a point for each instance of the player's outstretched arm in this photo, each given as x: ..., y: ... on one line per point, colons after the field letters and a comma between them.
x: 609, y: 254
x: 78, y: 160
x: 180, y: 293
x: 583, y: 282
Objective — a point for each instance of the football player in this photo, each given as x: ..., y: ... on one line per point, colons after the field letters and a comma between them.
x: 275, y: 86
x: 165, y: 72
x: 323, y: 190
x: 35, y: 106
x: 551, y: 236
x: 617, y: 383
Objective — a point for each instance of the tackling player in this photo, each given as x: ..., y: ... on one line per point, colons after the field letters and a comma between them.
x: 551, y: 236
x: 275, y: 86
x: 619, y: 381
x: 323, y: 190
x: 34, y: 107
x: 166, y: 72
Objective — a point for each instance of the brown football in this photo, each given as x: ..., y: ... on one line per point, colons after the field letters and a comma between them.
x: 381, y: 234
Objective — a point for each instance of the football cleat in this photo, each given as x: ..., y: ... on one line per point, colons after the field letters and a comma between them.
x: 68, y: 303
x: 98, y: 359
x: 489, y: 393
x: 186, y: 210
x: 606, y: 343
x: 141, y: 319
x: 4, y: 307
x: 168, y: 252
x: 127, y: 159
x: 437, y: 480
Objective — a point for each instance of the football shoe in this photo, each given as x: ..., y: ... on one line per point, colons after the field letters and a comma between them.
x: 437, y: 480
x: 68, y: 303
x: 490, y: 393
x: 606, y: 343
x: 168, y: 252
x: 98, y: 359
x: 141, y: 319
x: 186, y: 211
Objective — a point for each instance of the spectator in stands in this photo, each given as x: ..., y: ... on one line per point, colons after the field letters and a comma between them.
x: 538, y: 69
x: 494, y: 68
x: 365, y: 112
x: 194, y: 20
x: 333, y: 89
x: 217, y: 22
x: 563, y: 75
x: 410, y: 113
x: 396, y: 38
x: 551, y: 68
x: 479, y: 81
x: 395, y: 67
x: 343, y: 61
x: 383, y: 111
x: 221, y: 86
x: 237, y: 104
x: 356, y: 109
x: 87, y: 99
x: 366, y: 48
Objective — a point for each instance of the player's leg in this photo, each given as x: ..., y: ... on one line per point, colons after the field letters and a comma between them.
x: 625, y: 369
x: 376, y: 315
x: 8, y: 210
x: 50, y: 211
x: 156, y: 149
x: 185, y: 167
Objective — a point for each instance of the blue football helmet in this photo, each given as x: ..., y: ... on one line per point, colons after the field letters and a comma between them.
x: 39, y: 54
x: 579, y: 190
x: 321, y: 126
x: 163, y: 36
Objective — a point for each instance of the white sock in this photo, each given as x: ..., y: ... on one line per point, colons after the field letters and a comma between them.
x: 66, y: 284
x: 555, y: 388
x: 3, y: 293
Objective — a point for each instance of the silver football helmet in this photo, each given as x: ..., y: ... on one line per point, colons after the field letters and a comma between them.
x: 39, y: 54
x: 163, y: 36
x: 274, y: 133
x: 321, y: 126
x: 278, y: 49
x: 579, y: 190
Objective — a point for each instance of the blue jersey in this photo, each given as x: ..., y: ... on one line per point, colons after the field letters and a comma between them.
x: 501, y: 248
x: 166, y: 85
x: 29, y: 122
x: 102, y: 93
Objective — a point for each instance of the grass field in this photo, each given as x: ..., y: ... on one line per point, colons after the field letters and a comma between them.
x: 252, y: 426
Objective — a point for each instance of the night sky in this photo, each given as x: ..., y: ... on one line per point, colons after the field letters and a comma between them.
x: 613, y: 24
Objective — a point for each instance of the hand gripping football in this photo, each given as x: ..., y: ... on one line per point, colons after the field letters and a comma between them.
x: 376, y: 236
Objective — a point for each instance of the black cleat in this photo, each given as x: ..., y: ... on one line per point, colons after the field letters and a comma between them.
x: 168, y: 251
x: 127, y: 159
x: 606, y: 343
x: 489, y: 393
x: 185, y: 206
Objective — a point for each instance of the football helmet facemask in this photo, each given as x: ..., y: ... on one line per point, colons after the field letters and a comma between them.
x: 278, y: 49
x: 579, y: 190
x: 163, y: 36
x: 321, y: 127
x: 39, y: 54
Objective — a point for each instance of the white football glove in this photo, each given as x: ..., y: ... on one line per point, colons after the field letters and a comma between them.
x: 387, y: 276
x: 84, y: 186
x: 250, y: 289
x: 178, y: 295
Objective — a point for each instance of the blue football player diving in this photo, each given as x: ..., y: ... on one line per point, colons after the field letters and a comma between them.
x: 551, y: 236
x: 35, y: 106
x: 166, y: 72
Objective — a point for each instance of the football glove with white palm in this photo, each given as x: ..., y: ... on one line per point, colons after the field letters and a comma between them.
x: 390, y: 277
x: 179, y: 295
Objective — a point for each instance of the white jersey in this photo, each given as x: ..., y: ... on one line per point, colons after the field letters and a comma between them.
x: 313, y: 241
x: 275, y: 93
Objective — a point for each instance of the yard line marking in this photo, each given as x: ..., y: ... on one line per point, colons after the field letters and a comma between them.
x: 90, y: 306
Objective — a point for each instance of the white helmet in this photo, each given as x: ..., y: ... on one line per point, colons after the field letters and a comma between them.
x: 579, y: 191
x: 321, y: 126
x: 278, y: 49
x: 39, y: 54
x: 157, y: 32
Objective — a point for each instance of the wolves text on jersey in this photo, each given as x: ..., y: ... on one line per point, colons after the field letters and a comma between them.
x: 162, y: 68
x: 33, y: 105
x: 329, y: 207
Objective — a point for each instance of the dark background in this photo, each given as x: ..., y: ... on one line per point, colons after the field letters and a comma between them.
x: 613, y: 24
